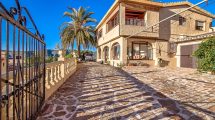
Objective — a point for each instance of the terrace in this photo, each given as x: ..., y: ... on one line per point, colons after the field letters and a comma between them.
x: 106, y: 92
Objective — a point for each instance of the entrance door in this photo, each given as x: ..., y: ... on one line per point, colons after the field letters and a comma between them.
x: 187, y: 58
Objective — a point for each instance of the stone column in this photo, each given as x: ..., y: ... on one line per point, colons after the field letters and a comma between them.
x: 61, y: 57
x: 122, y: 13
x: 124, y: 48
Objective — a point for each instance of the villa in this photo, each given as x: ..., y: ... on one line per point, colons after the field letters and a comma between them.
x: 172, y: 41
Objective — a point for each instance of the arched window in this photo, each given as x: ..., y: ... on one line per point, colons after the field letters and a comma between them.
x: 99, y: 53
x: 142, y: 51
x: 116, y: 51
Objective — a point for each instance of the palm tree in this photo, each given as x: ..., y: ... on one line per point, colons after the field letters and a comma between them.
x: 78, y: 30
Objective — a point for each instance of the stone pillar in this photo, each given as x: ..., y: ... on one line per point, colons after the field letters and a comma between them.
x: 124, y: 51
x: 122, y: 13
x: 61, y: 57
x: 109, y: 51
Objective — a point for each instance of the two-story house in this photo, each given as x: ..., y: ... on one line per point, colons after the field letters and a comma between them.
x: 127, y: 17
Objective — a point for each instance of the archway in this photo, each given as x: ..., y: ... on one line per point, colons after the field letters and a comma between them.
x: 106, y: 53
x: 115, y: 50
x: 99, y: 53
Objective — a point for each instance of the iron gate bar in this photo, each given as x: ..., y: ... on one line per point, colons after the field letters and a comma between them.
x: 26, y: 97
x: 7, y: 76
x: 23, y: 35
x: 18, y: 72
x: 32, y: 87
x: 14, y: 73
x: 29, y: 73
x: 0, y: 65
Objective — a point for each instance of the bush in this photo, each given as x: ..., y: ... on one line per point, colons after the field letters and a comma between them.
x: 206, y: 55
x: 68, y: 56
x: 49, y: 59
x: 55, y: 59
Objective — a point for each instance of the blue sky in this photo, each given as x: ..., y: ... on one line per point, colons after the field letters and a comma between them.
x: 48, y: 14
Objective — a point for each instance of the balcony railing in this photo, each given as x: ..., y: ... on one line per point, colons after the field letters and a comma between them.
x: 134, y: 21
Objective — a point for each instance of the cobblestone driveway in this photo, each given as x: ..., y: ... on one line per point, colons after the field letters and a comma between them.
x: 101, y: 92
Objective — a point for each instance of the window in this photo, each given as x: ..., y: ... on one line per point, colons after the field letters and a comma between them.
x: 113, y: 22
x: 200, y: 25
x: 100, y: 34
x: 182, y: 21
x: 116, y: 51
x: 142, y: 51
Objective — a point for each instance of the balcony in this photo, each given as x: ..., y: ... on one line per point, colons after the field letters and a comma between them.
x: 131, y: 28
x: 136, y: 21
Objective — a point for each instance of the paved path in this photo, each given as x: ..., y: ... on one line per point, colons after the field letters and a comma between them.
x: 101, y: 92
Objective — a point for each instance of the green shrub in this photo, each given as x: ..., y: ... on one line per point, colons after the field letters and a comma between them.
x: 120, y: 65
x: 49, y: 59
x: 206, y: 55
x: 55, y: 59
x: 68, y: 56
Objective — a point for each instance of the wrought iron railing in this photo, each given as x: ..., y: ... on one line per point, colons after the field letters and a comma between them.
x: 22, y: 66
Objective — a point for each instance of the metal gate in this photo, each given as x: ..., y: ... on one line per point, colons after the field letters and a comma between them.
x: 22, y: 66
x: 187, y: 58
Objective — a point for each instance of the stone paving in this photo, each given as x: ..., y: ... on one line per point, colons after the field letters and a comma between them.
x: 102, y: 92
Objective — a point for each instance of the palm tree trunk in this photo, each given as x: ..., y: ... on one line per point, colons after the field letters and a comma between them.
x: 79, y: 51
x: 72, y: 50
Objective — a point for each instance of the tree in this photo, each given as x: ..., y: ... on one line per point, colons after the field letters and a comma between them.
x: 206, y: 55
x: 79, y: 29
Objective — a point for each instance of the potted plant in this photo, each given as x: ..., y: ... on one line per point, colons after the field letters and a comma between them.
x: 160, y: 62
